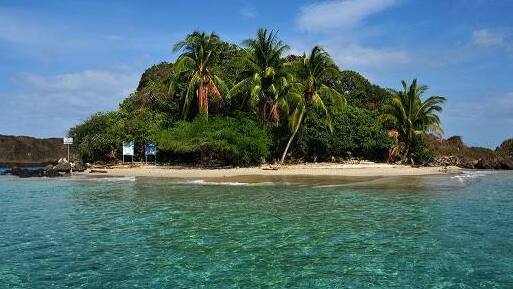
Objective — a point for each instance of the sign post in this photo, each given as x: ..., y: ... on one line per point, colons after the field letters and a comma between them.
x: 150, y: 150
x: 68, y: 141
x: 128, y: 150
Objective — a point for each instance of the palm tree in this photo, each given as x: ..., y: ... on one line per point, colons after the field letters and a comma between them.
x: 313, y: 72
x: 265, y: 79
x: 412, y: 116
x: 200, y: 51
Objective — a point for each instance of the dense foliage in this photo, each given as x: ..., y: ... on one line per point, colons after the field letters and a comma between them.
x: 356, y: 133
x: 97, y: 137
x: 230, y: 140
x: 413, y: 117
x: 221, y: 103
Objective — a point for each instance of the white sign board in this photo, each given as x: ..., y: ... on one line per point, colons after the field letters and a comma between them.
x: 68, y: 140
x: 128, y: 148
x: 150, y: 150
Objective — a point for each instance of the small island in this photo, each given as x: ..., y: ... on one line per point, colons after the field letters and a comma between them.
x: 222, y: 105
x: 162, y: 157
x: 255, y: 109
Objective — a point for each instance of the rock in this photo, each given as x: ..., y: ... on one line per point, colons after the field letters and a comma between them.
x: 98, y: 171
x: 456, y: 141
x: 52, y: 173
x: 484, y: 164
x: 26, y: 173
x: 47, y: 171
x: 506, y: 164
x: 62, y: 167
x: 506, y: 148
x: 78, y: 167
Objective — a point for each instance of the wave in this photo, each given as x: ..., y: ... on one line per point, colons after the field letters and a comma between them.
x: 470, y: 175
x: 203, y: 182
x: 102, y: 179
x: 220, y: 183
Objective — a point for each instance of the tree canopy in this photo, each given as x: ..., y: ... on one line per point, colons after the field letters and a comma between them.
x: 225, y: 103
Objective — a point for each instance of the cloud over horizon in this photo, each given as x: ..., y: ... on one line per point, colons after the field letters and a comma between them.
x: 65, y: 99
x: 341, y: 14
x: 487, y: 38
x: 324, y: 20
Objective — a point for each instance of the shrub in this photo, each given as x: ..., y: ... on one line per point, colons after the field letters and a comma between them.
x: 356, y: 133
x: 97, y: 138
x: 226, y: 139
x: 101, y: 135
x: 422, y: 152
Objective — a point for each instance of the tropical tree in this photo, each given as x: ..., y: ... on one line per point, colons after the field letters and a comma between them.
x: 264, y: 81
x: 313, y: 73
x: 200, y: 51
x: 412, y: 116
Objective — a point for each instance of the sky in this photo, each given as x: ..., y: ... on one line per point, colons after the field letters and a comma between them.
x: 61, y: 61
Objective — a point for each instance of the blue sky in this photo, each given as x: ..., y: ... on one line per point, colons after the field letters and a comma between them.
x: 61, y: 61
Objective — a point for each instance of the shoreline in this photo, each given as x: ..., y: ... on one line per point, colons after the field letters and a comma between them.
x: 317, y: 169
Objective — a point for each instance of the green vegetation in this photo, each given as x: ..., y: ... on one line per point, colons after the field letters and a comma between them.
x: 413, y: 117
x: 200, y: 51
x: 224, y: 104
x: 228, y: 140
x: 356, y: 133
x: 264, y: 83
x: 314, y: 72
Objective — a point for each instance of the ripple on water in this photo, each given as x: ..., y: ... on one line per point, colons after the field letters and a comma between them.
x: 424, y: 232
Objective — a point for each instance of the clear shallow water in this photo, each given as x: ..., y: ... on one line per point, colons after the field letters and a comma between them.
x: 425, y: 232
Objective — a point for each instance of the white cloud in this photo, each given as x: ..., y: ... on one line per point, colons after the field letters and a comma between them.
x: 15, y: 29
x: 354, y: 56
x: 54, y: 103
x: 342, y: 14
x: 499, y: 107
x: 248, y: 11
x: 90, y: 90
x: 485, y: 37
x: 484, y: 121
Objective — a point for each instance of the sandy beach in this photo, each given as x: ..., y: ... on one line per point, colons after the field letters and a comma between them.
x: 318, y: 169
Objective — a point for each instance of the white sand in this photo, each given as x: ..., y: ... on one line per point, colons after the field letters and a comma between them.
x: 366, y: 169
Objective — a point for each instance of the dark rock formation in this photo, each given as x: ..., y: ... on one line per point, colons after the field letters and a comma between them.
x: 453, y: 152
x: 22, y: 150
x: 63, y: 166
x: 32, y: 173
x: 78, y: 167
x: 506, y: 148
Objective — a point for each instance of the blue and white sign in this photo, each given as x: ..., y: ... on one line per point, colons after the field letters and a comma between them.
x: 128, y: 148
x: 150, y: 149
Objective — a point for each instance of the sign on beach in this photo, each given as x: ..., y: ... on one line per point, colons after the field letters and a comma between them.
x: 128, y: 148
x: 150, y: 149
x: 68, y: 140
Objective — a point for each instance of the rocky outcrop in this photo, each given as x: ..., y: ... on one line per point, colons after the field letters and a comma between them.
x: 32, y: 173
x: 62, y: 168
x: 23, y: 150
x: 506, y: 148
x: 453, y: 152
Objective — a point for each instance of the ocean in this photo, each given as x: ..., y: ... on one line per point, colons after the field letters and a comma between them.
x: 405, y: 232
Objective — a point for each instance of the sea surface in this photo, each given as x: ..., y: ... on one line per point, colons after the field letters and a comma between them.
x: 410, y: 232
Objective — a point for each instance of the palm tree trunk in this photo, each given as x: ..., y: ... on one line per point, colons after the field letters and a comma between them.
x: 292, y: 136
x: 202, y: 99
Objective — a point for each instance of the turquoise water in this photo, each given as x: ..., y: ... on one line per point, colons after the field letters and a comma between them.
x: 423, y: 232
